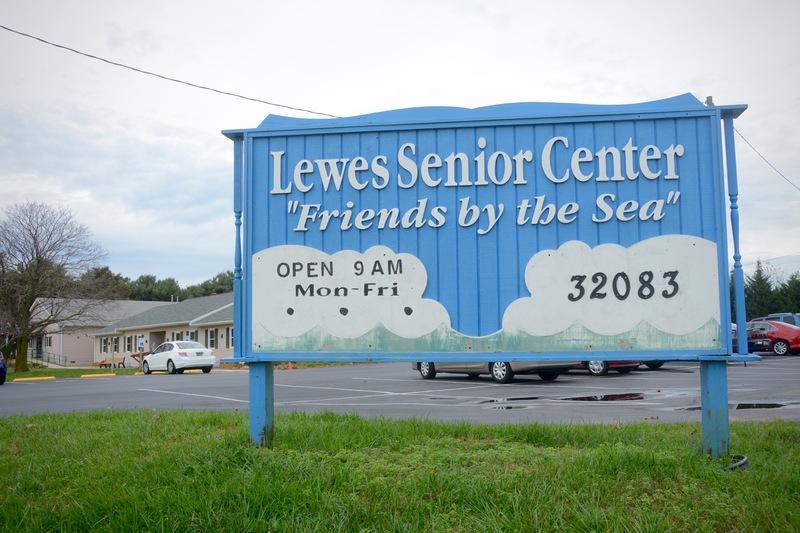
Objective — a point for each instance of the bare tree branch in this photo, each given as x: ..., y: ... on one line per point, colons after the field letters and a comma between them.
x: 44, y: 252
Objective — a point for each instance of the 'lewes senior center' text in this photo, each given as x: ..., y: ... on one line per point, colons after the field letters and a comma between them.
x: 559, y: 163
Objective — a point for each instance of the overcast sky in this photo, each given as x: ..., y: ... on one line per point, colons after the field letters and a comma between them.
x: 141, y: 160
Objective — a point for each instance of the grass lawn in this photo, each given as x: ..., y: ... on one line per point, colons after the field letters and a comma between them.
x: 188, y: 471
x: 38, y: 371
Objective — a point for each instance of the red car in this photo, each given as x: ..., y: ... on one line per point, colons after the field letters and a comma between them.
x: 601, y: 368
x: 784, y: 338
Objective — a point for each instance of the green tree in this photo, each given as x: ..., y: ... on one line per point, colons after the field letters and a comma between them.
x: 44, y: 251
x: 788, y: 294
x: 733, y: 297
x: 103, y: 278
x: 222, y: 282
x: 759, y: 293
x: 149, y: 288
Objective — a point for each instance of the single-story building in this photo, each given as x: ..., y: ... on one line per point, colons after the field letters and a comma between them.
x: 208, y: 320
x: 66, y: 341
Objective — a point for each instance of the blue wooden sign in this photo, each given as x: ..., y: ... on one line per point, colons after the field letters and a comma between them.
x: 535, y: 230
x: 553, y: 232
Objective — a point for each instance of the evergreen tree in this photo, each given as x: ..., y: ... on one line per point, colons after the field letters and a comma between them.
x: 149, y: 288
x: 759, y: 294
x: 788, y: 294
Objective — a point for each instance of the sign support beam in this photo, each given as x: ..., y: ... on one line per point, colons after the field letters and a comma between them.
x: 262, y: 403
x: 714, y: 404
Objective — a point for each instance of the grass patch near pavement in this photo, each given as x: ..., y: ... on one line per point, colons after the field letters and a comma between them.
x: 188, y: 471
x: 63, y: 373
x: 38, y: 371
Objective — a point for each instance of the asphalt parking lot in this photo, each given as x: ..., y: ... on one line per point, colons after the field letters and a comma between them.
x: 765, y: 390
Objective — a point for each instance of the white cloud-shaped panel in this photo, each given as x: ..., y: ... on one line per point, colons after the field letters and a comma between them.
x: 669, y: 281
x: 347, y: 294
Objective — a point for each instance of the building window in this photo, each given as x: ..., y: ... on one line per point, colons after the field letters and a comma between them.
x: 211, y: 338
x: 192, y: 335
x: 48, y: 341
x: 228, y: 338
x: 115, y: 344
x: 128, y: 343
x: 104, y: 345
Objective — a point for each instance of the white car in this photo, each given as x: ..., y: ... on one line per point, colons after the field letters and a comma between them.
x: 176, y: 356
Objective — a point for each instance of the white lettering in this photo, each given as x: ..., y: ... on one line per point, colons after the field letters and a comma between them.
x: 428, y: 162
x: 547, y: 158
x: 359, y: 164
x: 408, y: 165
x: 329, y: 171
x: 381, y: 172
x: 276, y: 175
x: 302, y: 167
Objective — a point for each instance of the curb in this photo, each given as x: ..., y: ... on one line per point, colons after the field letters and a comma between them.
x: 97, y: 375
x: 34, y: 379
x: 162, y: 372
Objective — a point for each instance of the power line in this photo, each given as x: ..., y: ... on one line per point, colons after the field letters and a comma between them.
x: 766, y: 161
x: 771, y: 259
x: 226, y: 93
x: 167, y: 78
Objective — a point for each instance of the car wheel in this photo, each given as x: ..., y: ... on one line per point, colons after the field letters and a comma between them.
x: 780, y: 347
x: 501, y: 372
x: 171, y: 367
x: 206, y: 369
x: 548, y: 375
x: 597, y: 368
x: 146, y: 368
x: 654, y: 364
x: 427, y: 370
x: 626, y: 369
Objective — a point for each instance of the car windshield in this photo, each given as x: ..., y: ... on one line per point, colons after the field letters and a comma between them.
x: 186, y: 345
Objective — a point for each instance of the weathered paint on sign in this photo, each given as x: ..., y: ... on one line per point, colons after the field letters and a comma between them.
x: 529, y: 229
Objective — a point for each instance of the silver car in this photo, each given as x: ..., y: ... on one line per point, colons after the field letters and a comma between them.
x: 501, y: 371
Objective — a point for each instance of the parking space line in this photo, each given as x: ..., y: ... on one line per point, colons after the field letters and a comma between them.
x: 197, y: 395
x: 368, y: 393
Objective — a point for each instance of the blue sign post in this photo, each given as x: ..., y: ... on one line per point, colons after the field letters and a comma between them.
x: 552, y: 232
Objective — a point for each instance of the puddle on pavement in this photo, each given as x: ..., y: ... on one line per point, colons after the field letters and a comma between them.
x: 628, y: 396
x: 504, y: 400
x: 747, y: 406
x: 599, y: 398
x: 760, y: 405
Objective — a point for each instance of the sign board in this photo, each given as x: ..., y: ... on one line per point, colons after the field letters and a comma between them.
x: 532, y: 230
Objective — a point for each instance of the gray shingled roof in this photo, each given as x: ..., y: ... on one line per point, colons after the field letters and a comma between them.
x: 97, y: 313
x: 192, y: 311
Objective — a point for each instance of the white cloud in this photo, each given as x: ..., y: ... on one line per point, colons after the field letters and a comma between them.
x: 297, y: 289
x: 670, y: 282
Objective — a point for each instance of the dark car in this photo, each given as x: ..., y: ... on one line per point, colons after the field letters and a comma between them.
x: 784, y: 338
x: 3, y: 369
x: 601, y: 368
x: 757, y: 340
